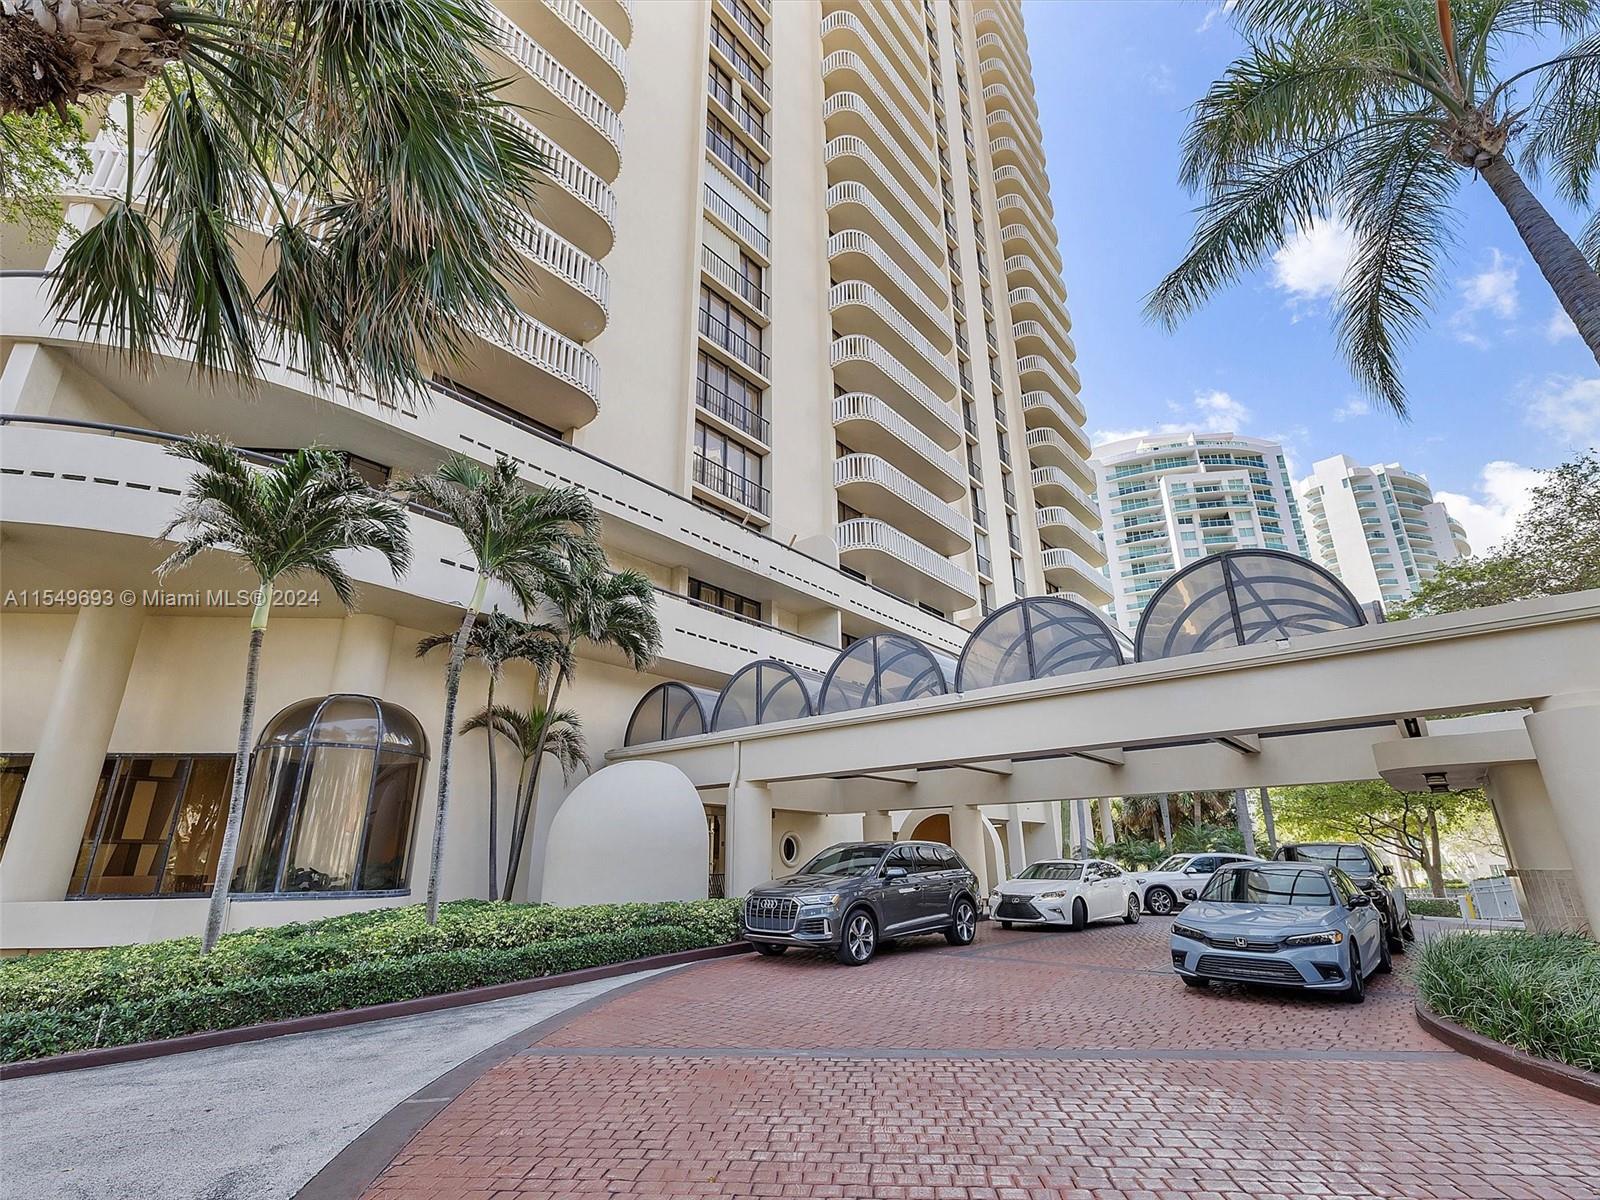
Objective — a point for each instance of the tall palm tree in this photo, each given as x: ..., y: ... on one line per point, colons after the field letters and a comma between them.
x: 1375, y: 112
x: 531, y: 542
x: 603, y: 608
x: 367, y: 142
x: 536, y: 731
x: 497, y: 639
x: 286, y: 520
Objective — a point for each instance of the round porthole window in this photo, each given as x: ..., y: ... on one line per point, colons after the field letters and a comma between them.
x: 789, y: 848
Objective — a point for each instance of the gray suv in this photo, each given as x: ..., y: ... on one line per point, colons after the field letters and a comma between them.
x: 852, y: 897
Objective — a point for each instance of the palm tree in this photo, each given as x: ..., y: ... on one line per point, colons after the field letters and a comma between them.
x: 602, y: 607
x: 536, y: 731
x: 289, y: 519
x: 531, y: 542
x: 367, y: 142
x: 497, y: 639
x: 1375, y: 112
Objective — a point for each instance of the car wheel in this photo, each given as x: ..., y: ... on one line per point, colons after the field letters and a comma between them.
x: 1131, y: 916
x: 963, y: 924
x: 767, y: 950
x: 1005, y: 924
x: 1196, y: 981
x: 1160, y: 901
x: 1386, y: 959
x: 860, y: 939
x: 1080, y: 916
x: 1356, y: 990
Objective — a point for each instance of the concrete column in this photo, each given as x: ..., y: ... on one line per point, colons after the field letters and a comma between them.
x: 361, y: 664
x: 749, y: 833
x: 1108, y: 831
x: 1044, y: 840
x: 1266, y: 813
x: 30, y: 379
x: 1016, y: 852
x: 1565, y: 731
x: 1541, y: 869
x: 56, y: 799
x: 970, y: 840
x: 1247, y: 828
x: 877, y: 826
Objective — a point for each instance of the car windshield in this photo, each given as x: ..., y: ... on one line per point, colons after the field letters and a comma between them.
x: 1353, y: 860
x: 847, y: 860
x: 1175, y: 863
x: 1053, y: 871
x: 1255, y: 885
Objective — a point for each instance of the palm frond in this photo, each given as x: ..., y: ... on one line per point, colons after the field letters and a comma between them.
x: 113, y: 279
x: 1564, y: 123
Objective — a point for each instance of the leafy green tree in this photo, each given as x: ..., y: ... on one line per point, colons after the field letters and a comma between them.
x: 1376, y: 112
x: 1554, y: 549
x: 1408, y: 825
x: 369, y: 142
x: 290, y: 519
x: 38, y: 154
x: 532, y: 542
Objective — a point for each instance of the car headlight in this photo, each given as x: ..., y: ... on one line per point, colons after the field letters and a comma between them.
x: 830, y: 899
x: 1185, y: 931
x: 1328, y: 937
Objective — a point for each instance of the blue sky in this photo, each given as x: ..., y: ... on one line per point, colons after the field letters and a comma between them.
x: 1498, y: 385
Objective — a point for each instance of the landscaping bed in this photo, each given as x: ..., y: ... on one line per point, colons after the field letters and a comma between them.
x: 82, y: 999
x: 1537, y: 992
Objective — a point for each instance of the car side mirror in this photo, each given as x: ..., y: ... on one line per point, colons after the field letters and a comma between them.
x: 894, y: 872
x: 1190, y: 894
x: 1360, y: 900
x: 1386, y: 872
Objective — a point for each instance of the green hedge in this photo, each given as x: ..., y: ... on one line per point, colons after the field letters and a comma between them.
x: 1537, y: 992
x: 1433, y: 906
x: 78, y: 999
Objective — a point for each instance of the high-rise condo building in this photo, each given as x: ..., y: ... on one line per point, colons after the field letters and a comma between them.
x: 1378, y: 528
x: 1170, y: 498
x: 798, y: 327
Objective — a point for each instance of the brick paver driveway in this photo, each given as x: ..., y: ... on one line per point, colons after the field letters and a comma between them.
x: 1032, y: 1064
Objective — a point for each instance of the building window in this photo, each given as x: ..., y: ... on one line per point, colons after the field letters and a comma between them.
x: 13, y: 774
x: 744, y: 162
x: 729, y: 468
x: 729, y: 328
x: 725, y: 393
x: 155, y: 827
x: 749, y: 69
x: 718, y: 597
x: 789, y: 848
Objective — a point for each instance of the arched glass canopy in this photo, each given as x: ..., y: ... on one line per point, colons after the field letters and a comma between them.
x: 1036, y: 638
x: 885, y: 669
x: 670, y: 710
x: 765, y: 691
x: 1242, y: 597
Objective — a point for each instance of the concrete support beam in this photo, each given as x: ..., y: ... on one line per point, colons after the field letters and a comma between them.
x: 1541, y: 869
x: 877, y: 826
x: 1565, y: 730
x: 1016, y: 852
x: 1109, y: 756
x: 56, y: 799
x: 361, y: 664
x: 749, y: 817
x: 1241, y: 743
x: 970, y: 840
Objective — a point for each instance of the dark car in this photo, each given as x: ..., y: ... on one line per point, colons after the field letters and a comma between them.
x: 1356, y: 861
x: 852, y: 897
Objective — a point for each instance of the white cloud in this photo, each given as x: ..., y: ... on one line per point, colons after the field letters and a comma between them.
x: 1213, y: 13
x: 1503, y: 492
x: 1159, y: 79
x: 1219, y: 412
x: 1569, y: 407
x: 1493, y: 289
x: 1559, y: 327
x: 1311, y: 264
x: 1100, y: 437
x: 1351, y: 409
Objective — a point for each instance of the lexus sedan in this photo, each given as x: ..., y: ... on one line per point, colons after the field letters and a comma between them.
x: 1161, y: 890
x: 1293, y: 924
x: 1066, y: 891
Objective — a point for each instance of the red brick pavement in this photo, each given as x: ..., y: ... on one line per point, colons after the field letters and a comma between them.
x: 1030, y: 1066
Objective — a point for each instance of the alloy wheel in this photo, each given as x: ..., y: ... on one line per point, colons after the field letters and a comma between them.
x: 860, y: 937
x: 1160, y: 901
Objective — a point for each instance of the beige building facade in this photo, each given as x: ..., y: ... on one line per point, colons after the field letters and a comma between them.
x: 799, y: 329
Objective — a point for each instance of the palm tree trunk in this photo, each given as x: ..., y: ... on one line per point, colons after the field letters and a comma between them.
x: 241, y: 772
x: 494, y: 800
x: 520, y: 834
x: 1166, y: 820
x: 452, y: 685
x: 1569, y: 274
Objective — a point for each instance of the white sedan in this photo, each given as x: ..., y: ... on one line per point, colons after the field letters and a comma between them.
x: 1161, y: 891
x: 1066, y: 891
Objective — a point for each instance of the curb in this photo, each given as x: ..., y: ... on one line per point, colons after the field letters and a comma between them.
x: 1573, y: 1081
x: 78, y: 1060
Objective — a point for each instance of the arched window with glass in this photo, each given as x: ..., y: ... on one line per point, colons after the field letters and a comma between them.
x: 1036, y: 638
x: 763, y: 692
x: 884, y: 669
x: 670, y: 710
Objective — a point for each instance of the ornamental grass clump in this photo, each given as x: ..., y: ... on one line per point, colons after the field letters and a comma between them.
x: 1537, y: 992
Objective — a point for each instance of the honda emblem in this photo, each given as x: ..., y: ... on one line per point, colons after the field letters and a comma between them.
x: 1241, y: 942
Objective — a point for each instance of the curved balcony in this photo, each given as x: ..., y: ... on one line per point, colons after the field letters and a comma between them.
x: 1044, y: 410
x: 853, y: 205
x: 1038, y: 375
x: 846, y: 114
x: 844, y: 34
x: 1071, y: 573
x: 570, y: 393
x: 1016, y: 60
x: 895, y: 32
x: 997, y: 96
x: 1008, y: 24
x: 581, y: 41
x: 1048, y: 447
x: 852, y: 160
x: 858, y: 307
x: 1034, y: 337
x: 900, y: 564
x: 861, y: 365
x: 571, y: 290
x: 581, y: 204
x: 1022, y: 270
x: 615, y: 15
x: 1013, y: 207
x: 872, y: 426
x: 998, y: 69
x: 540, y: 83
x: 1054, y: 486
x: 1009, y: 151
x: 873, y: 485
x: 855, y: 255
x: 1029, y: 304
x: 1017, y: 238
x: 1060, y: 528
x: 1009, y: 181
x: 1001, y: 120
x: 844, y: 72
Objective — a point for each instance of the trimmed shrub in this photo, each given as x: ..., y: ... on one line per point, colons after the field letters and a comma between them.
x: 79, y: 999
x: 1433, y: 906
x: 1537, y: 992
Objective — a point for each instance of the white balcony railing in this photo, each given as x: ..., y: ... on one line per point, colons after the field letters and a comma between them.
x: 1065, y: 349
x: 913, y: 176
x: 1045, y: 405
x: 869, y: 468
x: 572, y: 176
x: 868, y: 533
x: 905, y: 81
x: 859, y: 406
x: 853, y: 193
x: 1038, y: 365
x: 587, y: 26
x: 561, y: 258
x: 551, y: 352
x: 848, y: 146
x: 572, y: 91
x: 1053, y: 311
x: 856, y: 293
x: 1092, y: 583
x: 1055, y: 477
x: 856, y: 347
x: 1024, y: 234
x: 854, y: 241
x: 894, y: 25
x: 1054, y: 518
x: 1015, y: 178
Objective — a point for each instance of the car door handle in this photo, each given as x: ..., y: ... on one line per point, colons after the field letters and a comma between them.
x: 907, y: 890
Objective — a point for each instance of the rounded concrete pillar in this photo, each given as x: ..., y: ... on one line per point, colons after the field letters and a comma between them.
x: 971, y: 841
x: 749, y: 832
x: 361, y: 664
x: 1565, y: 731
x: 1541, y: 869
x: 1108, y: 829
x: 55, y: 801
x: 877, y: 826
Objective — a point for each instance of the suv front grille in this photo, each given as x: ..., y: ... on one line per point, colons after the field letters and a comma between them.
x: 1254, y: 970
x: 770, y: 914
